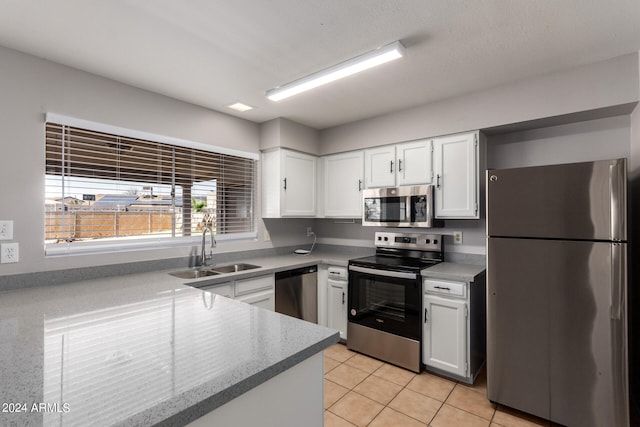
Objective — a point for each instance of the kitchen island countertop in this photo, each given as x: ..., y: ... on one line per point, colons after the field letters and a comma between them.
x: 128, y: 351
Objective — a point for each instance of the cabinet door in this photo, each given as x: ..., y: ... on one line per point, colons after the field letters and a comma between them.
x: 380, y: 167
x: 414, y: 163
x: 456, y: 170
x: 445, y: 334
x: 298, y: 186
x: 264, y: 299
x: 337, y: 307
x: 343, y: 176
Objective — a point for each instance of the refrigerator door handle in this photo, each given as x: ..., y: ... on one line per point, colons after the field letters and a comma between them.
x: 617, y: 189
x: 618, y: 278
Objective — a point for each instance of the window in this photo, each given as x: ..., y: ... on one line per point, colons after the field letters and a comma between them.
x: 107, y: 188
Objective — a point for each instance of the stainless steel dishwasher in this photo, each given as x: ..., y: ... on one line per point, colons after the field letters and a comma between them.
x: 297, y: 293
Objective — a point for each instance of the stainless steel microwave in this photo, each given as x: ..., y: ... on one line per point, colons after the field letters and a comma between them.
x: 408, y: 206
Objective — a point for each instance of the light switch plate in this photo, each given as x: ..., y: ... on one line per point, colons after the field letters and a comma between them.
x: 9, y: 252
x: 6, y: 230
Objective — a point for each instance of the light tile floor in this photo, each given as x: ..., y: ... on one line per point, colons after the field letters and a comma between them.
x: 362, y: 391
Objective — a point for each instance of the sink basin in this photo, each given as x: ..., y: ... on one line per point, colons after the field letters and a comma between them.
x: 194, y: 273
x: 234, y: 268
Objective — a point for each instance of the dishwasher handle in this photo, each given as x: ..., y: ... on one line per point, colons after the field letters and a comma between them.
x: 296, y: 272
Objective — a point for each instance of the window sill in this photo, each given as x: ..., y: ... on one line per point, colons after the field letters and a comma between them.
x: 53, y: 250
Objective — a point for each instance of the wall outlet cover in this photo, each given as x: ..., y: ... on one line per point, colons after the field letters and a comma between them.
x: 9, y: 252
x: 6, y: 230
x: 457, y: 237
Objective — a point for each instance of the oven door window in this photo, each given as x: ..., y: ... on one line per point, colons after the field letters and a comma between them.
x: 385, y: 303
x: 385, y: 209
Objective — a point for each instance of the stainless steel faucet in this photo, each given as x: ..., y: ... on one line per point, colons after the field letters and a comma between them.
x: 203, y: 255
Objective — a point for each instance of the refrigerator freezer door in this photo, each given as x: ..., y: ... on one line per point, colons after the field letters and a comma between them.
x: 555, y: 344
x: 572, y: 201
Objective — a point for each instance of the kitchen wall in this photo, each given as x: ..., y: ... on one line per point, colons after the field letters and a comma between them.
x: 602, y: 85
x: 599, y: 139
x: 31, y: 87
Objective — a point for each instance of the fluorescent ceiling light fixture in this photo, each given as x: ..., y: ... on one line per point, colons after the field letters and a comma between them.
x: 239, y: 106
x: 363, y: 62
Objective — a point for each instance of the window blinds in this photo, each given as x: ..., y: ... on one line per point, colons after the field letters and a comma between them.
x: 102, y: 186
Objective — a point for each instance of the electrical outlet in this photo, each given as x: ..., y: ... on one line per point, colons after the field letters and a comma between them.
x: 9, y: 252
x: 309, y: 231
x: 6, y: 230
x: 457, y: 237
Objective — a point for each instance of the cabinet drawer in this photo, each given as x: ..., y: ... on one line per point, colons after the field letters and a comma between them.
x: 254, y: 284
x: 445, y: 287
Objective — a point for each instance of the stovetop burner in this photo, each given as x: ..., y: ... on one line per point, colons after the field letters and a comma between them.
x: 401, y: 262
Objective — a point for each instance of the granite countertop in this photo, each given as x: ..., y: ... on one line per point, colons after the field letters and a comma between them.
x: 454, y: 271
x: 128, y: 351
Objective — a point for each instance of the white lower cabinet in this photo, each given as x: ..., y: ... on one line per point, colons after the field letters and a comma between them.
x: 454, y: 321
x: 444, y: 344
x: 258, y: 291
x: 337, y: 307
x: 337, y: 300
x: 264, y: 299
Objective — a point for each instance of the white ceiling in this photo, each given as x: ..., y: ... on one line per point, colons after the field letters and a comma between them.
x: 215, y: 52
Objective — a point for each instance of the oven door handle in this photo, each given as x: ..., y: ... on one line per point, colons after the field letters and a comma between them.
x: 386, y: 273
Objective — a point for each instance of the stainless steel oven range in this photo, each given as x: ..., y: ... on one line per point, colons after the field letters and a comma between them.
x: 385, y: 297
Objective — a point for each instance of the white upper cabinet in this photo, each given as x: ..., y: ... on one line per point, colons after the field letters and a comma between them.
x: 343, y: 184
x: 408, y: 163
x: 288, y: 184
x: 414, y: 164
x: 456, y: 176
x: 379, y: 167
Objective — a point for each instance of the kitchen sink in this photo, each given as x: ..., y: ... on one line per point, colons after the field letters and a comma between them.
x: 234, y: 268
x: 194, y: 273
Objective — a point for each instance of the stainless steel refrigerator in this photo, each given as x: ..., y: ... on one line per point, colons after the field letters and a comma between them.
x: 556, y: 292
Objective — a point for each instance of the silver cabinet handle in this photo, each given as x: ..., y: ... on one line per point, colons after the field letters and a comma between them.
x: 399, y: 165
x: 359, y: 185
x: 391, y: 166
x: 285, y: 183
x: 343, y: 298
x: 425, y: 315
x: 438, y: 181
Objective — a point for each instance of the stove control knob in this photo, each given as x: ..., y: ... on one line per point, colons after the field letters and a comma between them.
x: 435, y: 241
x: 353, y: 311
x: 386, y: 239
x: 427, y: 241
